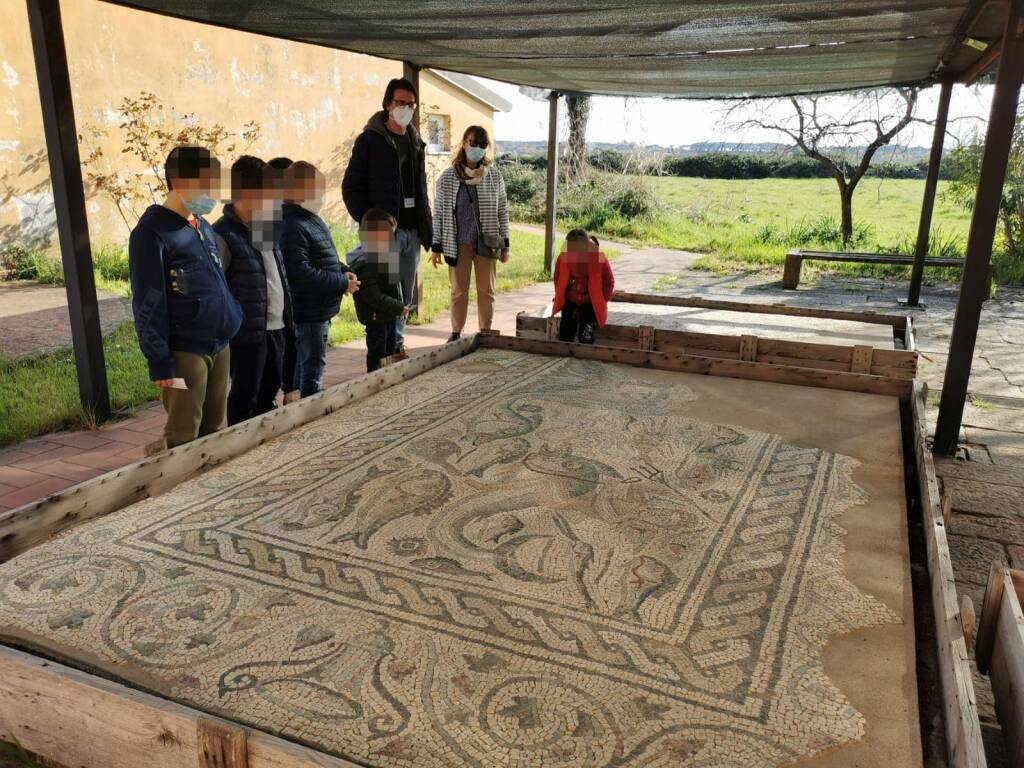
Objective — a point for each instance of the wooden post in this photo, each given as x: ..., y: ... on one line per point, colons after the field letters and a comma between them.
x: 930, y: 185
x: 551, y: 201
x: 69, y: 203
x: 974, y: 287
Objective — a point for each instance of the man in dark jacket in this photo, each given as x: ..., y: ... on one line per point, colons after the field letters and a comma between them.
x: 316, y: 275
x: 379, y: 303
x: 388, y: 170
x: 256, y: 275
x: 184, y: 312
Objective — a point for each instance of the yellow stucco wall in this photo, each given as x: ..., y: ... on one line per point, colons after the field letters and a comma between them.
x: 309, y: 101
x: 441, y: 97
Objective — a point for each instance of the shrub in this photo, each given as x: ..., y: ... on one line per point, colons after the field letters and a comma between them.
x: 523, y: 184
x: 607, y: 197
x: 111, y: 261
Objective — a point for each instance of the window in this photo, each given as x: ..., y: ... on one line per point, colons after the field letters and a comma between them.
x: 438, y: 132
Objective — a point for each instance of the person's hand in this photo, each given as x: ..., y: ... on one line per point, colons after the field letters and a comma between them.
x: 405, y: 313
x: 353, y: 282
x: 165, y: 383
x: 504, y: 256
x: 436, y: 258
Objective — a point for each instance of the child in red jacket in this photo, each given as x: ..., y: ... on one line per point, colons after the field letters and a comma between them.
x: 583, y: 287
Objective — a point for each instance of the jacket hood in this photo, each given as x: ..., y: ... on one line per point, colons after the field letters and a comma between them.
x: 161, y: 214
x: 356, y: 257
x: 378, y: 123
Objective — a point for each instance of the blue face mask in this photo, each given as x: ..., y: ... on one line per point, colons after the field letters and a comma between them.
x: 200, y: 205
x: 475, y: 154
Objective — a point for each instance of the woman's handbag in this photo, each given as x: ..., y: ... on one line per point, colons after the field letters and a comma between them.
x: 489, y: 246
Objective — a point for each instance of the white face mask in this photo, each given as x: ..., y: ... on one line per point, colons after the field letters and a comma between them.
x: 402, y: 115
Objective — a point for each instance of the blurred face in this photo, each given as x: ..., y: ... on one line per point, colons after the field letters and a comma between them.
x: 578, y: 249
x: 312, y: 191
x: 209, y: 183
x: 382, y: 249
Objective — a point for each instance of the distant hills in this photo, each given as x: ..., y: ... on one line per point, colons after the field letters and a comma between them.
x: 893, y: 153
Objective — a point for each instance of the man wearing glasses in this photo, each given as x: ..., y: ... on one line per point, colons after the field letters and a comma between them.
x: 387, y: 170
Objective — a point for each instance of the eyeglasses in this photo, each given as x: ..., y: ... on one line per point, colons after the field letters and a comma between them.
x: 400, y: 103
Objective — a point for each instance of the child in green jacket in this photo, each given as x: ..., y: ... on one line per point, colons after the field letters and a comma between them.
x: 379, y: 302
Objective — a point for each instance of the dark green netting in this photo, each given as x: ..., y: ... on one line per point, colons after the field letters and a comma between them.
x: 692, y: 49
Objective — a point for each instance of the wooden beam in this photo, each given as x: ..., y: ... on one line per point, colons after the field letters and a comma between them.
x: 898, y: 322
x: 974, y: 287
x: 834, y: 357
x: 69, y: 204
x: 82, y: 720
x: 1002, y: 655
x: 708, y: 366
x: 970, y: 75
x: 411, y: 72
x: 25, y: 526
x: 219, y: 745
x: 960, y: 708
x: 551, y: 198
x: 931, y: 184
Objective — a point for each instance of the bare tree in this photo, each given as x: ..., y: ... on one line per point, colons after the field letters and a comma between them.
x: 834, y: 130
x: 578, y: 109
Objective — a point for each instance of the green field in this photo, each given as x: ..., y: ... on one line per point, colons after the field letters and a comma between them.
x: 745, y: 223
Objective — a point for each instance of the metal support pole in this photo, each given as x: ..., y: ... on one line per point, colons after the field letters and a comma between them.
x: 931, y: 183
x: 974, y: 286
x: 69, y: 203
x: 551, y: 201
x: 411, y: 72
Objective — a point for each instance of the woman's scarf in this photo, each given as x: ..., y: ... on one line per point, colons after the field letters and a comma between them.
x: 471, y: 176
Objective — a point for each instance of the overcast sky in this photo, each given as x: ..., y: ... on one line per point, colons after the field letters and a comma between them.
x: 670, y: 122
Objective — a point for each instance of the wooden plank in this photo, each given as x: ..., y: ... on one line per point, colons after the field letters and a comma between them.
x: 883, y: 362
x: 33, y: 523
x: 1000, y: 654
x: 645, y: 338
x: 791, y: 270
x: 626, y: 297
x: 960, y: 709
x: 810, y: 377
x: 219, y: 745
x: 748, y: 348
x: 854, y: 257
x: 81, y: 720
x: 861, y: 359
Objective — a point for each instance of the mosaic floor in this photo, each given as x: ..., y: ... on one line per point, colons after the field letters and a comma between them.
x: 695, y: 319
x: 514, y: 560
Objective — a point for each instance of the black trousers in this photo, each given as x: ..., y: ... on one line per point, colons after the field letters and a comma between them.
x: 255, y: 376
x: 381, y: 341
x: 579, y: 323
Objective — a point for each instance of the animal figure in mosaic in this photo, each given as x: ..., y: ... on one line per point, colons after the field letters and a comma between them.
x: 385, y: 495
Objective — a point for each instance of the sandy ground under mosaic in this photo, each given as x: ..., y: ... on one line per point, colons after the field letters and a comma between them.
x: 821, y: 330
x: 526, y: 561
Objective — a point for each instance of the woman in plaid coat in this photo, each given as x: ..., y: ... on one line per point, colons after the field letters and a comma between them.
x: 471, y: 227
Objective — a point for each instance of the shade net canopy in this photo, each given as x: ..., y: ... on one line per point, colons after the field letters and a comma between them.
x: 671, y: 48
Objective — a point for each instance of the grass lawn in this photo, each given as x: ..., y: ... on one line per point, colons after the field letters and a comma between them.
x: 750, y: 224
x: 40, y: 394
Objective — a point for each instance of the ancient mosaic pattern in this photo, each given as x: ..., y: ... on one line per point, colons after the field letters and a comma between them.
x: 513, y: 560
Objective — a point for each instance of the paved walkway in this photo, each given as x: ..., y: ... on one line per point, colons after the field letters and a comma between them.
x: 34, y: 317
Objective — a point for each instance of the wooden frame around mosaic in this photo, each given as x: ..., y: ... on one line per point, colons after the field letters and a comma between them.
x: 76, y: 717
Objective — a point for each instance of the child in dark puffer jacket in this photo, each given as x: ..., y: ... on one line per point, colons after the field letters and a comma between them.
x: 379, y: 303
